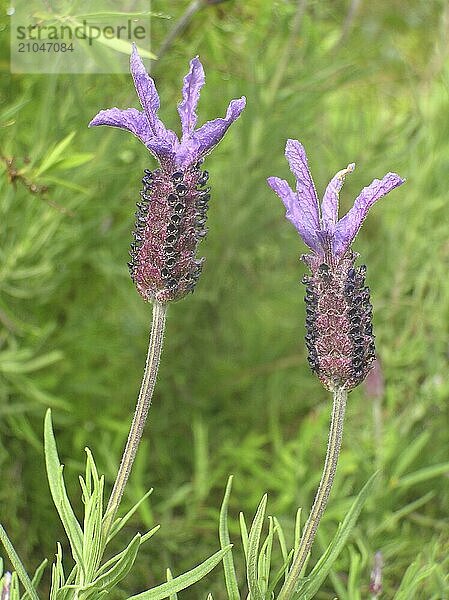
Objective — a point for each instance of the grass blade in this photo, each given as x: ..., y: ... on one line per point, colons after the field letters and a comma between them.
x: 58, y: 491
x: 228, y: 561
x: 17, y: 564
x: 182, y: 581
x: 253, y: 550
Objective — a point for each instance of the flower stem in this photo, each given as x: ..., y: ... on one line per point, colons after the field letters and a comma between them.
x: 141, y: 412
x: 322, y: 495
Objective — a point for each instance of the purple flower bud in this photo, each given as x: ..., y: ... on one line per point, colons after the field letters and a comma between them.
x: 375, y: 586
x: 172, y: 211
x: 339, y: 336
x: 6, y: 588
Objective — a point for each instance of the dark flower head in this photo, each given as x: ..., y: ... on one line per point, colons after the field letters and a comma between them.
x: 172, y: 213
x: 339, y: 338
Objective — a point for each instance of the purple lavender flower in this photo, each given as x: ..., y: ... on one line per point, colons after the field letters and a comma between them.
x: 6, y: 587
x: 375, y: 586
x: 171, y: 217
x: 339, y: 338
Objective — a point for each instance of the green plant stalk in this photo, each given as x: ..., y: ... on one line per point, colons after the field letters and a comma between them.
x: 140, y: 414
x: 322, y: 495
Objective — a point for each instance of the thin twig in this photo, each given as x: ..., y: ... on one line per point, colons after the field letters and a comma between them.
x: 285, y: 58
x: 183, y: 22
x: 179, y: 26
x: 348, y: 23
x: 141, y: 412
x: 322, y: 495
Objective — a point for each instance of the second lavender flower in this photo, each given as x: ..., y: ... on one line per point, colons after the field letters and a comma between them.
x: 339, y: 337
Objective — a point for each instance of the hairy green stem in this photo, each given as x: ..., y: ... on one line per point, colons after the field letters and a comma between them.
x: 322, y: 495
x: 141, y: 412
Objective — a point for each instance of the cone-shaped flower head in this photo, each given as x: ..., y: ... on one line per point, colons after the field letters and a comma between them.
x: 339, y: 338
x: 171, y: 216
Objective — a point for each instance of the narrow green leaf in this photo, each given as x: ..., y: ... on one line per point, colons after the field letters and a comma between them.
x: 57, y: 573
x: 244, y: 534
x: 355, y: 575
x: 75, y: 160
x: 55, y: 154
x: 17, y: 564
x: 312, y: 583
x: 411, y: 580
x: 14, y: 591
x: 170, y: 578
x: 264, y: 564
x: 282, y: 572
x: 12, y: 109
x: 423, y: 475
x: 281, y: 537
x: 182, y: 581
x: 121, y: 521
x: 58, y: 491
x: 66, y: 183
x: 338, y: 585
x: 283, y: 545
x: 391, y: 521
x: 228, y: 561
x: 107, y: 581
x: 253, y: 551
x: 36, y: 577
x: 149, y: 534
x: 409, y: 453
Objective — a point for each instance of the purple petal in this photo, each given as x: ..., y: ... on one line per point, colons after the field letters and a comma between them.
x: 146, y: 90
x: 130, y: 119
x: 164, y: 148
x: 193, y: 82
x: 303, y: 221
x: 348, y: 227
x: 329, y: 205
x: 305, y: 188
x: 206, y: 137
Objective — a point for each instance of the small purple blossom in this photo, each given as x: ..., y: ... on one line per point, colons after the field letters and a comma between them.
x: 6, y: 587
x: 172, y: 212
x: 146, y: 125
x: 319, y: 227
x: 339, y: 332
x: 375, y: 585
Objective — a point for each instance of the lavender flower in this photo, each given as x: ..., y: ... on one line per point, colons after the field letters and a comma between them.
x: 375, y: 586
x: 339, y: 338
x: 6, y: 587
x: 171, y: 217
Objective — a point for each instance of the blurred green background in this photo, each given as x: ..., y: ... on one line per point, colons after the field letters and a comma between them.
x: 354, y: 81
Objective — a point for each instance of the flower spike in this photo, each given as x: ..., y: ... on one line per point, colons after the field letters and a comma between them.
x: 172, y: 212
x: 339, y: 338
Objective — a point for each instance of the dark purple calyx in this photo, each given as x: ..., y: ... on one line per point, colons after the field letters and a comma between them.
x: 339, y: 332
x: 170, y: 222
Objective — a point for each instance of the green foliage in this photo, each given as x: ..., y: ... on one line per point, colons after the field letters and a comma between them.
x: 89, y: 579
x: 260, y: 581
x: 234, y: 394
